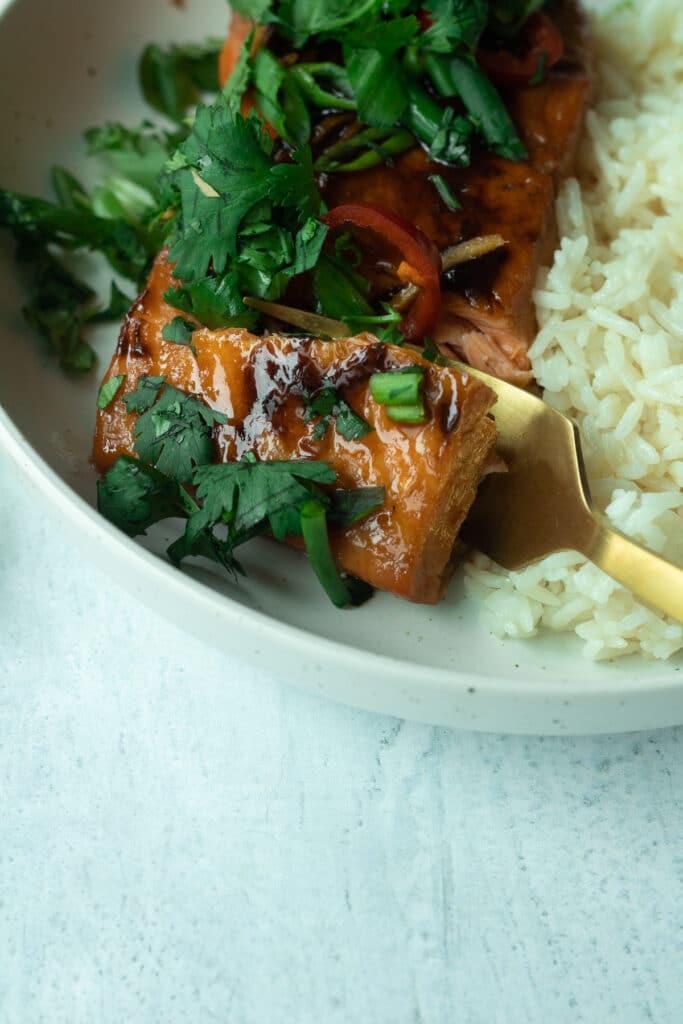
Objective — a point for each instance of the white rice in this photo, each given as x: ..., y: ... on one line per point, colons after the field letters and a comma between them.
x: 609, y: 352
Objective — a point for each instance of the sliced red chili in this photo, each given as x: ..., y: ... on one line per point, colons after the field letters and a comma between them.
x: 420, y: 262
x: 542, y: 47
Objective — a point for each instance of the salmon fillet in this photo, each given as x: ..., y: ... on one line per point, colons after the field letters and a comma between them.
x: 487, y: 314
x: 430, y: 472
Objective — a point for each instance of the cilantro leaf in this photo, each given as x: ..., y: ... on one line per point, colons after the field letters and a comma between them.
x: 251, y: 222
x: 43, y: 222
x: 173, y: 80
x: 294, y: 185
x: 179, y: 331
x: 379, y: 87
x: 174, y: 429
x: 327, y: 403
x: 249, y: 494
x: 375, y: 73
x: 145, y: 394
x: 70, y: 193
x: 226, y: 173
x: 349, y: 424
x: 215, y: 301
x: 109, y: 390
x: 279, y: 98
x: 340, y: 292
x: 138, y: 154
x: 59, y: 306
x: 259, y: 10
x: 349, y: 506
x: 300, y: 19
x: 205, y: 545
x: 454, y: 23
x: 135, y: 496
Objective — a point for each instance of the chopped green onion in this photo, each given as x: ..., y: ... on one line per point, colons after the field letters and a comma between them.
x: 407, y: 413
x: 399, y: 388
x: 458, y: 76
x: 538, y: 74
x: 305, y: 75
x: 314, y: 532
x: 445, y: 192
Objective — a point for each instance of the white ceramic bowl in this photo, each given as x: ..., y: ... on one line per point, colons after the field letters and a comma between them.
x: 68, y: 64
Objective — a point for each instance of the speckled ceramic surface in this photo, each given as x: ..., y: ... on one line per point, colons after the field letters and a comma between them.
x: 438, y: 665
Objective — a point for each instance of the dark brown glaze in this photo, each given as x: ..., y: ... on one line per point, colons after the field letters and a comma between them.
x: 487, y: 311
x: 430, y: 472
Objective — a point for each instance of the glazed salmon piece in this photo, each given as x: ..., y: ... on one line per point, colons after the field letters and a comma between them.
x: 430, y: 472
x: 487, y: 313
x: 492, y: 295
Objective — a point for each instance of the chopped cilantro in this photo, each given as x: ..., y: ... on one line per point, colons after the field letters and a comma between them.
x: 240, y: 500
x: 248, y: 495
x: 174, y: 430
x: 215, y: 301
x: 173, y: 80
x: 109, y: 390
x: 135, y: 496
x: 454, y: 23
x: 179, y: 331
x: 326, y: 404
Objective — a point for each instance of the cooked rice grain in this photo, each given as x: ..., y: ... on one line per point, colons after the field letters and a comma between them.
x: 609, y: 351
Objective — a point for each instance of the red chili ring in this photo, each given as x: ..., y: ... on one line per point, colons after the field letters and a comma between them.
x: 421, y: 256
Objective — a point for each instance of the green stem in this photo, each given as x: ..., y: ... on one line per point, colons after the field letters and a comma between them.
x: 314, y: 531
x: 407, y: 413
x: 457, y: 76
x: 398, y: 143
x: 305, y: 76
x: 399, y: 388
x: 424, y: 115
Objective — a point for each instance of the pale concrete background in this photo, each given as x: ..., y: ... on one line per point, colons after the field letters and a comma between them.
x: 183, y: 840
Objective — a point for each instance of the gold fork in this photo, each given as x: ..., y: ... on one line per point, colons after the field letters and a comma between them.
x: 543, y: 503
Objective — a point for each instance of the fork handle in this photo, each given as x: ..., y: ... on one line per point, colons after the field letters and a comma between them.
x: 653, y: 580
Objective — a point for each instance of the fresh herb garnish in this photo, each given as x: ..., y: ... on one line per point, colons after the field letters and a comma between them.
x: 445, y: 192
x: 237, y: 501
x: 342, y: 591
x: 174, y: 430
x: 109, y: 390
x: 393, y: 61
x: 326, y: 405
x: 401, y: 393
x: 247, y: 225
x: 179, y: 331
x: 173, y: 80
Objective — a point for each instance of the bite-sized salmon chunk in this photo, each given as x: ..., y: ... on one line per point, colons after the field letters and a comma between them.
x: 487, y: 313
x: 430, y: 471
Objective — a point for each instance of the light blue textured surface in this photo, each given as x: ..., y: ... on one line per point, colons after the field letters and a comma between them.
x: 183, y: 840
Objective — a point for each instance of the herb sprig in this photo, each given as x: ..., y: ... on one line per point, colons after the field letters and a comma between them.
x: 394, y: 57
x: 230, y: 503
